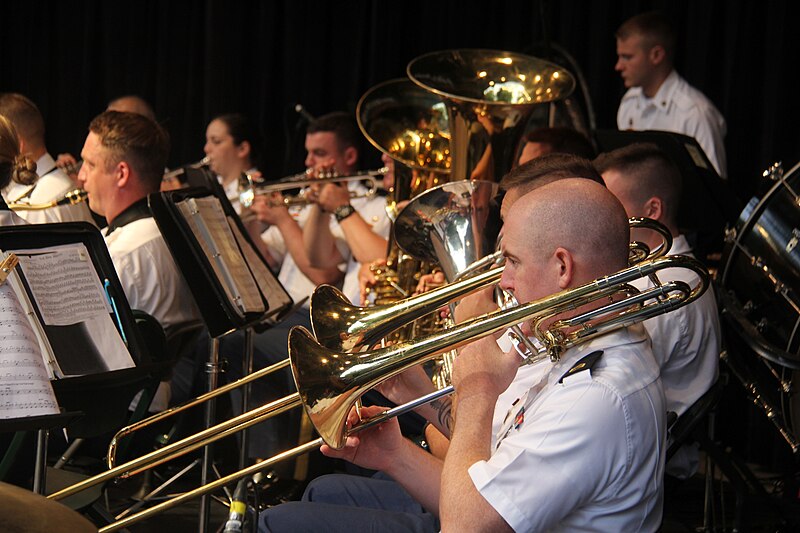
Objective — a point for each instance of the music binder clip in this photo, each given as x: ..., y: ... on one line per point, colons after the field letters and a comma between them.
x: 6, y: 266
x: 107, y: 286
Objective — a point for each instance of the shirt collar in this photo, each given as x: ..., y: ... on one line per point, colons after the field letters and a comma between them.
x: 136, y: 211
x: 45, y: 165
x: 665, y: 93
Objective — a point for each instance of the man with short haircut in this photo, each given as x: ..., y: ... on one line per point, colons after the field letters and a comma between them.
x: 52, y: 183
x: 658, y: 98
x: 686, y: 342
x: 535, y: 474
x: 123, y: 161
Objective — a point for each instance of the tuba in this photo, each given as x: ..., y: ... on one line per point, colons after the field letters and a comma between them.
x: 490, y: 95
x: 410, y: 125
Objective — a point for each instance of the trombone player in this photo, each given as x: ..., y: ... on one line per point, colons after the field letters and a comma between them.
x: 581, y: 449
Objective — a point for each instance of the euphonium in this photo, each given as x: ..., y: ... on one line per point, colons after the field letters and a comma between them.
x: 72, y: 197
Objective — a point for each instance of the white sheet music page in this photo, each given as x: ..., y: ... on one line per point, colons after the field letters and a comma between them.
x: 25, y: 388
x: 207, y: 219
x: 67, y: 290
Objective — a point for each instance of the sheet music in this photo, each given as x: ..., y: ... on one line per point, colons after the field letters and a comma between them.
x: 277, y: 298
x: 209, y: 224
x: 74, y: 309
x: 25, y: 388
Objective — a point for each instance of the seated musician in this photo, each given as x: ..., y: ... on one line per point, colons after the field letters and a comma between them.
x: 49, y: 182
x: 686, y: 342
x: 123, y: 161
x: 13, y: 164
x: 581, y: 449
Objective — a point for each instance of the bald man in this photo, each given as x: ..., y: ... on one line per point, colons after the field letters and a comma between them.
x: 132, y: 104
x: 590, y: 432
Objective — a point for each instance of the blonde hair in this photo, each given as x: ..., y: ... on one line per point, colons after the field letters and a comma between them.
x: 14, y: 165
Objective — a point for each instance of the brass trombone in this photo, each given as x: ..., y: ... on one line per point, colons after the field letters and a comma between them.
x: 248, y: 189
x: 330, y: 382
x: 72, y: 197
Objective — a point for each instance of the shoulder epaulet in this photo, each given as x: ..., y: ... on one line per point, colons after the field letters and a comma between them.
x: 586, y: 362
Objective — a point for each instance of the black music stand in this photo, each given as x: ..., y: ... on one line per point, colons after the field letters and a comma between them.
x: 96, y: 401
x: 187, y: 218
x: 707, y: 202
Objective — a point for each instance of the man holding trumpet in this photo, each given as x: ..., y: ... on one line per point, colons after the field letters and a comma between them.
x: 582, y: 448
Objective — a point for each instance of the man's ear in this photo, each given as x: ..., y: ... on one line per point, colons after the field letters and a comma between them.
x: 565, y: 264
x: 122, y: 172
x: 350, y: 155
x: 657, y: 54
x: 654, y: 208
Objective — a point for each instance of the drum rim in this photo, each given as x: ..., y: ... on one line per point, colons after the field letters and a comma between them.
x: 748, y: 224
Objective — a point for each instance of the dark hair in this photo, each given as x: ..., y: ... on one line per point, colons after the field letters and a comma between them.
x: 13, y: 164
x: 135, y: 139
x: 25, y: 116
x: 342, y: 125
x: 562, y: 140
x: 242, y: 129
x: 547, y: 169
x: 652, y: 172
x: 655, y: 29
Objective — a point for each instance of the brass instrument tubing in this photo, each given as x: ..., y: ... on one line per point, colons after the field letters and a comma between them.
x: 111, y: 458
x: 181, y: 447
x: 221, y: 482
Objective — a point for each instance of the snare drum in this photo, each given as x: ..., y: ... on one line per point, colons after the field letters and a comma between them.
x: 761, y: 264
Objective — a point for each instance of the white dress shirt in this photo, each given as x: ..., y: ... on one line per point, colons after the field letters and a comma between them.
x: 52, y: 184
x: 586, y: 454
x: 680, y: 108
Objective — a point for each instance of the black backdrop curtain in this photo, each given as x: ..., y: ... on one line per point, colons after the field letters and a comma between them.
x: 194, y: 60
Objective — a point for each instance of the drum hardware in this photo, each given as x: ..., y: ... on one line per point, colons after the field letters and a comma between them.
x: 753, y: 390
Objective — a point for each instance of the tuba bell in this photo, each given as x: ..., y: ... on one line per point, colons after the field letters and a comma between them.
x: 490, y: 95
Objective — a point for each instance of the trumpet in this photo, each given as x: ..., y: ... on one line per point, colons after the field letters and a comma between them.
x: 173, y: 174
x: 248, y: 188
x: 72, y: 197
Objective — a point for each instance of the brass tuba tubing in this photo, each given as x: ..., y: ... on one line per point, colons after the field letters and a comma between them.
x: 73, y: 197
x: 248, y: 190
x: 111, y: 456
x: 190, y: 443
x: 356, y: 373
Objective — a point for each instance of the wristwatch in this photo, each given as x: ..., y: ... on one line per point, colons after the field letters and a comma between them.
x: 343, y: 211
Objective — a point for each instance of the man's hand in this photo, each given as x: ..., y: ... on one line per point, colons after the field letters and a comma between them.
x: 367, y: 278
x: 407, y: 385
x: 373, y: 448
x: 482, y: 368
x: 266, y: 212
x: 333, y: 195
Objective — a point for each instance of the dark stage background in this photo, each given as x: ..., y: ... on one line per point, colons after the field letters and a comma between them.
x: 194, y: 60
